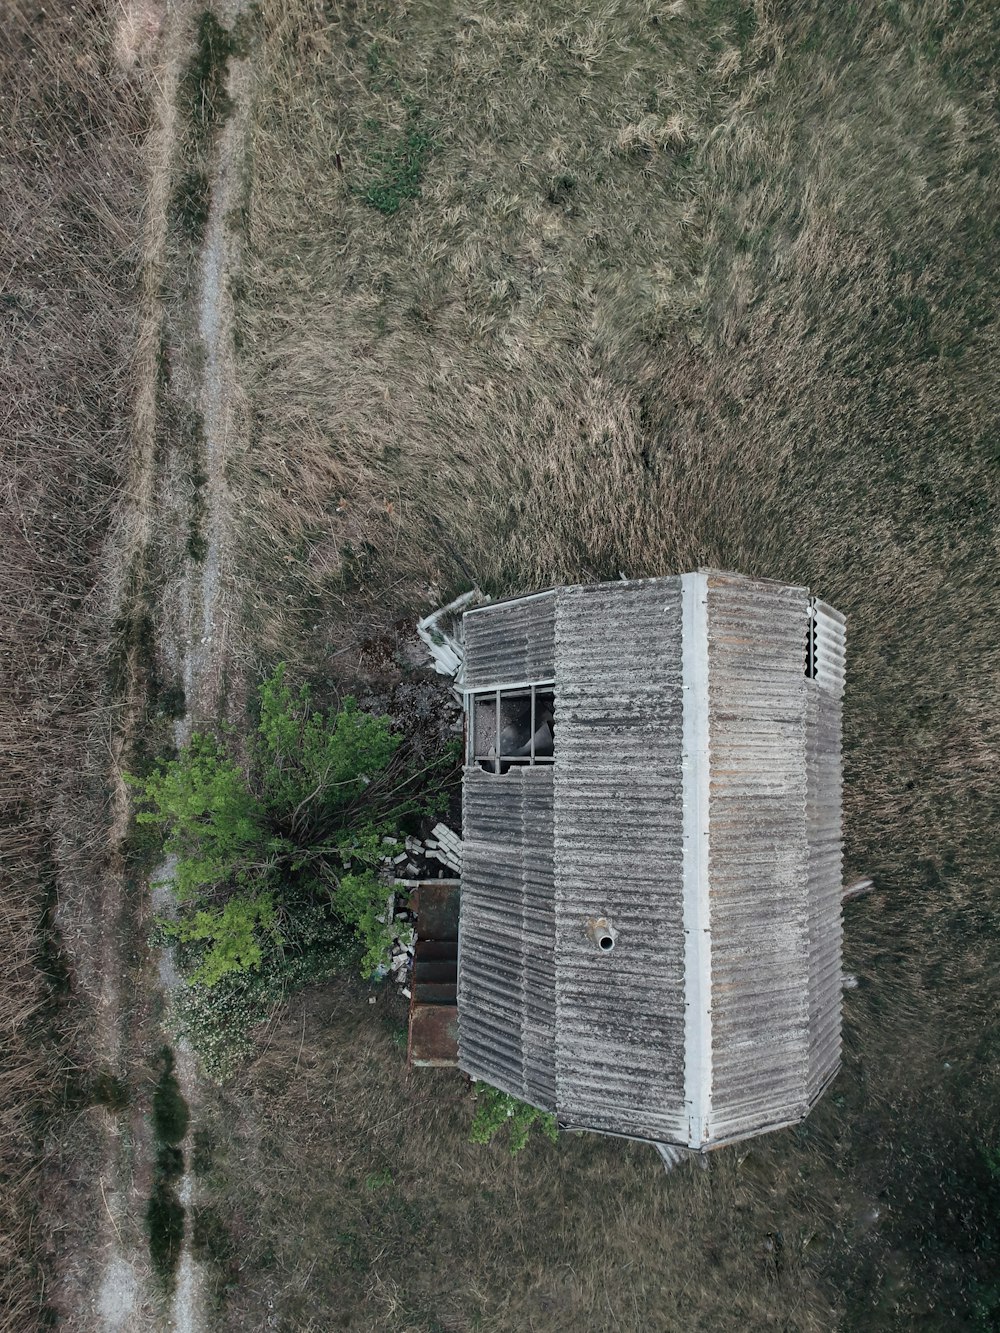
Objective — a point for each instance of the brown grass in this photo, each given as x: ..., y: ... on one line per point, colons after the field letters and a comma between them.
x: 399, y: 1223
x: 690, y: 283
x: 70, y: 124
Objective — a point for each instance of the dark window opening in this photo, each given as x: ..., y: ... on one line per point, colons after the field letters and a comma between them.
x: 512, y: 728
x: 811, y: 645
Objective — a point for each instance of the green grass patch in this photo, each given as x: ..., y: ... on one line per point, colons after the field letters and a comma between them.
x: 202, y: 1151
x: 399, y: 169
x: 190, y: 203
x: 212, y: 1241
x: 203, y: 103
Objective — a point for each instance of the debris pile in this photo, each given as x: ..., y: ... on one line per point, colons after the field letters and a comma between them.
x: 439, y: 856
x: 445, y: 847
x: 441, y: 634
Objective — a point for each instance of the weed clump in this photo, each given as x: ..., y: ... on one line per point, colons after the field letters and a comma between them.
x: 497, y: 1111
x: 109, y: 1091
x: 400, y: 168
x: 211, y: 1240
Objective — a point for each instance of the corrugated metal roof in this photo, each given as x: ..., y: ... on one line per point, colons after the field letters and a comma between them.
x: 618, y: 844
x: 823, y: 813
x: 510, y: 643
x: 507, y: 953
x: 831, y: 648
x: 757, y: 853
x: 603, y: 1037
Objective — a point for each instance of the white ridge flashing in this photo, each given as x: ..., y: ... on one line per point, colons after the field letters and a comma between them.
x: 697, y: 914
x: 447, y: 651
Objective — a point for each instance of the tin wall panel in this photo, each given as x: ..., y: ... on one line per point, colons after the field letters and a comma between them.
x: 823, y: 811
x: 831, y: 649
x: 506, y: 956
x: 757, y: 853
x: 618, y: 844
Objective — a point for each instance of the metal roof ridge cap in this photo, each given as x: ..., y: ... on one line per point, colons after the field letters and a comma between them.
x: 696, y: 903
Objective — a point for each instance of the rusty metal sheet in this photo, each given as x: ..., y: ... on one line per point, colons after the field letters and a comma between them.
x: 433, y: 1036
x: 434, y: 969
x: 435, y: 902
x: 435, y: 992
x: 436, y: 951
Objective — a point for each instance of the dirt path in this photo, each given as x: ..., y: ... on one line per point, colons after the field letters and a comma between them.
x: 192, y: 620
x: 203, y: 606
x: 118, y: 1299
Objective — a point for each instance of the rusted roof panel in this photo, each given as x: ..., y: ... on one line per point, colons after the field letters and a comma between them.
x: 436, y: 904
x: 433, y: 1035
x: 618, y: 843
x: 757, y: 853
x: 510, y: 643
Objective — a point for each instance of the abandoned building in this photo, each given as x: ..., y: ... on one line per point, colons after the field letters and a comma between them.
x: 650, y: 912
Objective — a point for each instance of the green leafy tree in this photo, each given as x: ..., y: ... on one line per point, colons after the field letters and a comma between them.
x: 497, y: 1111
x: 258, y: 848
x: 210, y: 819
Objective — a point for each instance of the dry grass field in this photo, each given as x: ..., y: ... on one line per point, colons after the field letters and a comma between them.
x: 633, y: 287
x: 72, y: 119
x: 528, y: 292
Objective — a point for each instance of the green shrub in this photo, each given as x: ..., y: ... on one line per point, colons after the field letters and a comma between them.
x: 211, y: 821
x: 274, y: 860
x: 219, y: 1020
x: 234, y: 931
x: 496, y: 1110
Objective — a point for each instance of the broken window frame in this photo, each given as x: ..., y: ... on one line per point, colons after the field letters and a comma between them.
x: 493, y: 763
